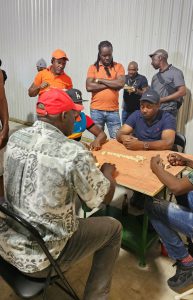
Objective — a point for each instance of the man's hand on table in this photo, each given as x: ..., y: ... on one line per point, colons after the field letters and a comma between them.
x: 156, y: 163
x: 132, y: 143
x: 95, y: 145
x: 108, y: 169
x: 177, y: 160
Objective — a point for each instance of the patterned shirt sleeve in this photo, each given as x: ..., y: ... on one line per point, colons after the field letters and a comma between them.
x: 89, y: 182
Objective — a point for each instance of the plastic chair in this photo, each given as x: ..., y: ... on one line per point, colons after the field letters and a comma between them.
x: 25, y: 286
x: 179, y: 146
x: 179, y: 142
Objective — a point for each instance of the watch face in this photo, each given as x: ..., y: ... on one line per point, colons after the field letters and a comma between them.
x: 146, y: 145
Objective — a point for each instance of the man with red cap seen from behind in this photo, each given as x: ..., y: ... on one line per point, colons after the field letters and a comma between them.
x: 53, y: 76
x: 44, y: 175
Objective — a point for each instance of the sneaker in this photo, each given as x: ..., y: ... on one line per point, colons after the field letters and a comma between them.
x: 182, y: 280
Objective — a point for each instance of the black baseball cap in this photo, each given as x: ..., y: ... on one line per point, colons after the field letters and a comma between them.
x: 75, y: 95
x: 151, y: 96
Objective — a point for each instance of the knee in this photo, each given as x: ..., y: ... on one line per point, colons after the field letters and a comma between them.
x: 116, y: 226
x: 149, y: 205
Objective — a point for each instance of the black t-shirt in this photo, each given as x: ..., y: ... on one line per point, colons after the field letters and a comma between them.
x: 131, y: 101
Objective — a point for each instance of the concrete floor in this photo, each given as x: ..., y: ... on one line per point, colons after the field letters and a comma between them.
x: 130, y: 282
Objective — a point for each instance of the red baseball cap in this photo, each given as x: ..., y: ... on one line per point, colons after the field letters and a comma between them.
x: 58, y: 53
x: 54, y: 102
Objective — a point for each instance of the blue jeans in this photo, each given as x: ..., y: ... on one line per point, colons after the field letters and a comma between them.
x: 168, y: 219
x: 125, y: 115
x: 110, y: 118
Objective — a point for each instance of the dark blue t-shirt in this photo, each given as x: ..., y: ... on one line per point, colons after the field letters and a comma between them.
x: 153, y: 132
x: 131, y: 101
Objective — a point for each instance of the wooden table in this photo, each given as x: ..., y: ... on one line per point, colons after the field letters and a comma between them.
x: 135, y: 175
x: 133, y: 172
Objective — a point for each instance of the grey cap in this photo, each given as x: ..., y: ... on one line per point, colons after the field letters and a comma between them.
x: 41, y: 63
x: 160, y: 52
x: 150, y: 96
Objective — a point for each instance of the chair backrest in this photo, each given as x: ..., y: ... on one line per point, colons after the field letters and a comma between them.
x: 180, y: 142
x: 36, y: 284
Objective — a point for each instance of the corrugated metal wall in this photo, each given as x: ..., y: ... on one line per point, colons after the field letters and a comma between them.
x: 31, y: 29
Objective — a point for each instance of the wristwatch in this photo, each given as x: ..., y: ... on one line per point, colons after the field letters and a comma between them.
x: 146, y: 146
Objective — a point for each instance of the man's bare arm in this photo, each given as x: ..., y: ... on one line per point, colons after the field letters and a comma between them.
x: 178, y: 186
x: 4, y: 115
x: 124, y: 133
x: 34, y: 89
x: 115, y: 84
x: 181, y: 92
x: 92, y: 86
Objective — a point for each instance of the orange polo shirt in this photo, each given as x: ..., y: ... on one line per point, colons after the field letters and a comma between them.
x: 61, y: 81
x: 107, y: 99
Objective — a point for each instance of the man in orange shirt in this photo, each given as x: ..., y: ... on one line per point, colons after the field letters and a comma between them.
x: 53, y: 76
x: 104, y: 79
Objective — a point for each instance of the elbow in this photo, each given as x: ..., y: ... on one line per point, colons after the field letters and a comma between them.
x: 30, y: 93
x: 176, y: 189
x: 118, y: 137
x: 184, y: 93
x: 88, y: 87
x: 168, y: 145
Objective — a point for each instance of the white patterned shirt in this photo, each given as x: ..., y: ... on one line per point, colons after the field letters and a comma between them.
x: 44, y: 173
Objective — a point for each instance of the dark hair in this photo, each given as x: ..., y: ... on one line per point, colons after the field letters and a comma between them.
x: 96, y: 64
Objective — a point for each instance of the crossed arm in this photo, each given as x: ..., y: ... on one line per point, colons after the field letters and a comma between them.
x: 99, y: 84
x: 124, y: 136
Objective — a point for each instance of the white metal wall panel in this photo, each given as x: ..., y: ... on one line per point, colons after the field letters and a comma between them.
x: 31, y: 29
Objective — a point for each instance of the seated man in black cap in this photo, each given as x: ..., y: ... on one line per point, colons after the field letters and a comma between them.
x: 84, y: 122
x: 148, y: 128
